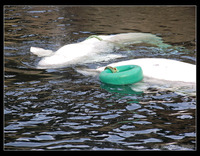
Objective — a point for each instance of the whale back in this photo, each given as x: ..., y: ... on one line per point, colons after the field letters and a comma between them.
x: 164, y: 69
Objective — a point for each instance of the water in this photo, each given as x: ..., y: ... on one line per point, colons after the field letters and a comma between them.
x: 61, y: 109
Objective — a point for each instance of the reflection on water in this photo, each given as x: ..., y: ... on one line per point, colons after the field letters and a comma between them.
x: 60, y: 109
x: 123, y: 89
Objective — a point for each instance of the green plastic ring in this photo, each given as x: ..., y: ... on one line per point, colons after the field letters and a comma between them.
x: 127, y: 74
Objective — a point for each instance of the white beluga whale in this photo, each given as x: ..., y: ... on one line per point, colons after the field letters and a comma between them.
x: 165, y: 72
x: 163, y: 69
x: 160, y: 73
x: 96, y: 45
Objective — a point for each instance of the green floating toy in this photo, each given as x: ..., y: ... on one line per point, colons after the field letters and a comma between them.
x: 121, y: 75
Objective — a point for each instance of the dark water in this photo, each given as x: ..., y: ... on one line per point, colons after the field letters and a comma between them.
x: 60, y: 109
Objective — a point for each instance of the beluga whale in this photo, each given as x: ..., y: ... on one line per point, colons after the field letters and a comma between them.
x: 94, y: 45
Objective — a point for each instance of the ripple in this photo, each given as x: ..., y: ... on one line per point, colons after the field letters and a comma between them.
x: 133, y: 107
x: 114, y: 138
x: 110, y: 116
x: 150, y: 140
x: 181, y: 106
x: 80, y: 117
x: 37, y: 138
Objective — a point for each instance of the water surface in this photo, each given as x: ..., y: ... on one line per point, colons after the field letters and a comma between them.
x: 61, y: 109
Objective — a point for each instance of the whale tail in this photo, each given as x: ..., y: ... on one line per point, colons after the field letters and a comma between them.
x: 40, y: 52
x: 134, y: 38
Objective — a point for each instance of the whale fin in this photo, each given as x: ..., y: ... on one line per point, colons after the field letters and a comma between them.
x: 88, y: 72
x: 40, y: 52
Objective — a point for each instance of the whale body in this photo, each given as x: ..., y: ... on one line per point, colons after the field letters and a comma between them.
x: 159, y: 73
x: 85, y: 50
x: 163, y: 69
